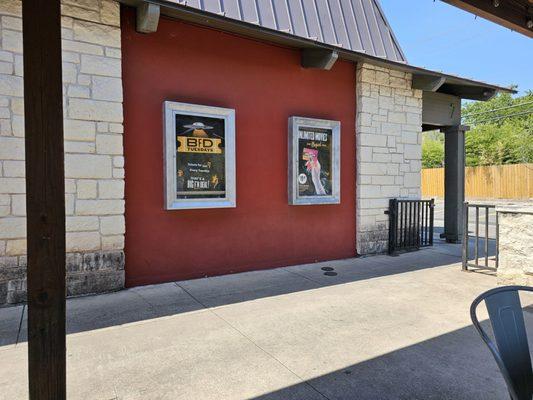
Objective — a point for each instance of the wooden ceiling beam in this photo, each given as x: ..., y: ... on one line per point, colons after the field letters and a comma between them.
x: 504, y: 14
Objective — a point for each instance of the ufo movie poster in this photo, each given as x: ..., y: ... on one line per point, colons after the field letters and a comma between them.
x: 200, y: 157
x: 314, y: 161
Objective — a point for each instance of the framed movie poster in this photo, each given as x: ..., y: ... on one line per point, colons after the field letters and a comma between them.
x: 199, y: 156
x: 314, y: 161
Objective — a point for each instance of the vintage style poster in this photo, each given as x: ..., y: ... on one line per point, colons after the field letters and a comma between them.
x: 314, y: 161
x: 200, y: 157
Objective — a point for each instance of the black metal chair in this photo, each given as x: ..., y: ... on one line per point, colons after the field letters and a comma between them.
x: 511, y: 350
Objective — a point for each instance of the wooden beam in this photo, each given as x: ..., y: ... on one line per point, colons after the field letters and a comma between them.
x: 319, y: 58
x: 428, y: 83
x: 147, y: 17
x: 506, y: 13
x: 45, y: 198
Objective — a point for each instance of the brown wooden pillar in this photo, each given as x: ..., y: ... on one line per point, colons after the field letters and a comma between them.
x: 45, y: 198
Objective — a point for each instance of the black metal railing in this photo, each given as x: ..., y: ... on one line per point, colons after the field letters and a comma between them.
x: 485, y: 256
x: 410, y: 224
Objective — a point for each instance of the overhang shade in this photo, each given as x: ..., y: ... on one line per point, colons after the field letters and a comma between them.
x: 513, y: 14
x: 353, y: 30
x: 354, y: 25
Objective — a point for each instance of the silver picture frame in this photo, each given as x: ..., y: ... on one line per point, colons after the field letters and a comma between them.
x: 172, y: 202
x: 295, y: 124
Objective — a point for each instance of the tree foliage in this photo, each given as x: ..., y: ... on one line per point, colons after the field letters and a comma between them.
x: 501, y: 133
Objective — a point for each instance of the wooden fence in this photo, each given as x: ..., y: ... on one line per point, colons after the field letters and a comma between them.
x: 490, y: 182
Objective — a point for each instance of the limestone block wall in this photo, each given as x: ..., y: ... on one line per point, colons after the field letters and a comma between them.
x: 515, y: 245
x: 94, y: 161
x: 389, y: 149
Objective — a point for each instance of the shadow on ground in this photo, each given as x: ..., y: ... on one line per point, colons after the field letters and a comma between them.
x: 154, y: 301
x: 455, y: 366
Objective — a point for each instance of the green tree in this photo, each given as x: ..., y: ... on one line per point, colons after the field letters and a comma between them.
x: 501, y: 133
x: 432, y: 153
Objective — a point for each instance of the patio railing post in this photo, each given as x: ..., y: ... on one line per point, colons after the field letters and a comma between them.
x: 465, y: 236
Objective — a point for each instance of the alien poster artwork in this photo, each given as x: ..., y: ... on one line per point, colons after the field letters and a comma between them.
x: 200, y: 157
x: 314, y: 161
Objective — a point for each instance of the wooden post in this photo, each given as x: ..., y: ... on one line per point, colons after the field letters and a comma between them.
x: 45, y: 198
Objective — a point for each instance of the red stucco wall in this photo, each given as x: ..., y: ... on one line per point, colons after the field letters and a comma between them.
x: 265, y: 85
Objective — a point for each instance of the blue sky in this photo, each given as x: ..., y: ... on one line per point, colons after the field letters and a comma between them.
x: 441, y: 37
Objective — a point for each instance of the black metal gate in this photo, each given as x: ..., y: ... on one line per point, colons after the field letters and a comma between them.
x: 410, y: 224
x: 475, y: 263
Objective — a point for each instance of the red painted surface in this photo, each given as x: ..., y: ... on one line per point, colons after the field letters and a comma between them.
x: 265, y: 85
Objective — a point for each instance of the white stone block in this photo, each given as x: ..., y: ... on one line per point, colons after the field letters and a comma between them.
x: 79, y: 91
x: 96, y: 33
x: 112, y: 225
x: 109, y: 144
x: 11, y: 148
x: 97, y: 65
x: 12, y: 41
x: 113, y: 242
x: 100, y: 207
x: 111, y: 189
x: 11, y: 85
x: 70, y: 72
x: 82, y: 241
x: 95, y: 110
x: 12, y: 185
x: 18, y: 205
x: 82, y: 224
x: 411, y: 180
x: 17, y: 247
x: 70, y: 201
x: 116, y: 128
x: 80, y: 12
x: 390, y: 191
x: 113, y: 52
x: 6, y: 68
x: 373, y: 140
x: 106, y: 88
x: 118, y: 162
x: 118, y: 173
x: 70, y: 185
x: 79, y: 130
x: 110, y: 12
x: 372, y: 168
x: 90, y: 166
x: 82, y: 48
x: 12, y: 228
x: 87, y: 189
x: 381, y: 158
x: 17, y: 106
x: 369, y: 191
x: 11, y: 7
x: 412, y: 152
x: 80, y: 147
x: 14, y: 169
x: 17, y: 125
x: 6, y: 56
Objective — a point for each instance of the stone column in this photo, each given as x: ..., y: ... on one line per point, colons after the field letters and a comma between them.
x: 515, y: 245
x: 454, y: 182
x: 389, y: 150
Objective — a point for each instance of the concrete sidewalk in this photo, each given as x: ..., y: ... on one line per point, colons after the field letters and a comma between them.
x: 382, y: 328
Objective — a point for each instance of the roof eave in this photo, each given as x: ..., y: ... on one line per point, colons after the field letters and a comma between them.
x: 451, y: 84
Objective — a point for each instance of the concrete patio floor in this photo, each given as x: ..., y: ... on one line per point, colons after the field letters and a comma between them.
x: 382, y: 328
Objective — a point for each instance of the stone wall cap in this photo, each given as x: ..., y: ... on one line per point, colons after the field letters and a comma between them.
x: 516, y: 208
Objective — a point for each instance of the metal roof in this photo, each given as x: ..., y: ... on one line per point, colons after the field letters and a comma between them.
x: 219, y: 14
x: 353, y: 25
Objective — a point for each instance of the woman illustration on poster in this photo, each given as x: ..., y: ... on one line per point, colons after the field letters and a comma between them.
x: 313, y: 167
